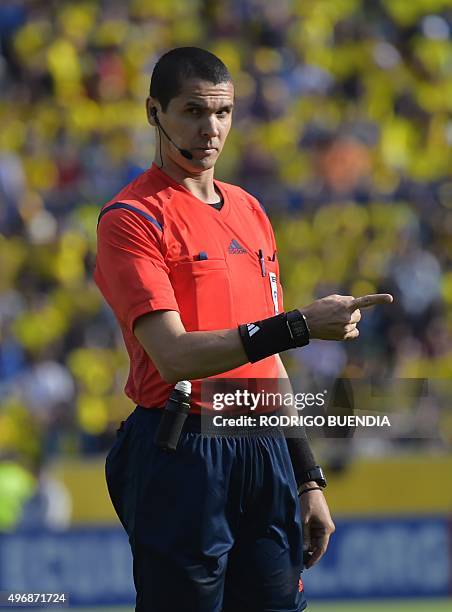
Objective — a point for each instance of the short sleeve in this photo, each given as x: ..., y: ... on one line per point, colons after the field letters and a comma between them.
x: 130, y: 271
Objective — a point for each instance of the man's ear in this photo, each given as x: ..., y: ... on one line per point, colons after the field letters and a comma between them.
x: 152, y: 107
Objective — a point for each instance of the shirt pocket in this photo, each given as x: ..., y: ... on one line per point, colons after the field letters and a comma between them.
x: 203, y: 293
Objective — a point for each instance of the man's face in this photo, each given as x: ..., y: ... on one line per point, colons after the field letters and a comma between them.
x: 199, y: 120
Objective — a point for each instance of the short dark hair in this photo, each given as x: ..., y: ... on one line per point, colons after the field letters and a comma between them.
x: 184, y: 63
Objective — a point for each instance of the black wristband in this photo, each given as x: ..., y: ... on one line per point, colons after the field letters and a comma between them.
x: 274, y: 335
x: 301, y: 457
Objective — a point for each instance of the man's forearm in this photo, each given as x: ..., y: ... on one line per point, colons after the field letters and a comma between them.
x: 285, y: 387
x: 187, y: 355
x: 190, y: 355
x: 202, y: 354
x: 180, y: 355
x: 300, y: 452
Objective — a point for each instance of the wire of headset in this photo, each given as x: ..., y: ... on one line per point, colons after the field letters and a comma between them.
x: 184, y: 152
x: 160, y: 146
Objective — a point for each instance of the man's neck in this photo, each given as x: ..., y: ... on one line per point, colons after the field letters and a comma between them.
x: 200, y: 185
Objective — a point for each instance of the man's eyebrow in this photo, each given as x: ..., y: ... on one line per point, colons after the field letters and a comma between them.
x: 200, y: 105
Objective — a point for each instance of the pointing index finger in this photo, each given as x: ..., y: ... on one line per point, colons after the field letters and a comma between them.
x: 370, y: 300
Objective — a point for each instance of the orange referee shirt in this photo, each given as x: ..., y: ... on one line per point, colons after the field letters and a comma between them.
x: 161, y: 248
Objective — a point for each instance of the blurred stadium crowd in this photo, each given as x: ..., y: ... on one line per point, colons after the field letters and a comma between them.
x: 342, y: 128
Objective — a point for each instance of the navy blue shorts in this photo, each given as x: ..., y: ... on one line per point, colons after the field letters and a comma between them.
x: 214, y: 526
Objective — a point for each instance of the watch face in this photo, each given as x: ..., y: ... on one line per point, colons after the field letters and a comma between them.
x: 317, y: 475
x: 298, y: 327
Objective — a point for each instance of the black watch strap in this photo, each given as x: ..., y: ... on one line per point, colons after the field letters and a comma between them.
x: 298, y: 327
x: 315, y: 474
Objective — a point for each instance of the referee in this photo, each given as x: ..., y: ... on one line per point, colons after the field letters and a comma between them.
x: 189, y: 266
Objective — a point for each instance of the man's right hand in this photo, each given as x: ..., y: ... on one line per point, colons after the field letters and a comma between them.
x: 335, y: 317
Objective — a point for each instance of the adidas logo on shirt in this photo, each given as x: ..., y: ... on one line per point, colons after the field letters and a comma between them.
x: 235, y: 248
x: 252, y: 329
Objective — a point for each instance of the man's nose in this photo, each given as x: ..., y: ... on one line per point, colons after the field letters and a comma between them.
x: 210, y: 126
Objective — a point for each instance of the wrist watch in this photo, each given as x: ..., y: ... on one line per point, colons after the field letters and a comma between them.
x: 315, y: 474
x: 298, y: 327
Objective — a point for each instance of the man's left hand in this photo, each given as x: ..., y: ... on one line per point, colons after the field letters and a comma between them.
x: 318, y: 525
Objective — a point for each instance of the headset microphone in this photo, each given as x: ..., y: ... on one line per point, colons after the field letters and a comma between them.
x: 184, y: 152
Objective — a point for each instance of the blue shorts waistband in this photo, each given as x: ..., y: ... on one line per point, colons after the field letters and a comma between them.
x: 231, y: 425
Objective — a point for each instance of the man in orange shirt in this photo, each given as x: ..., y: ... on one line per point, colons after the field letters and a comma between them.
x: 189, y: 266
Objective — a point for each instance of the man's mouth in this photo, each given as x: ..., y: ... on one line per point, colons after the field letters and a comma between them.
x: 205, y: 151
